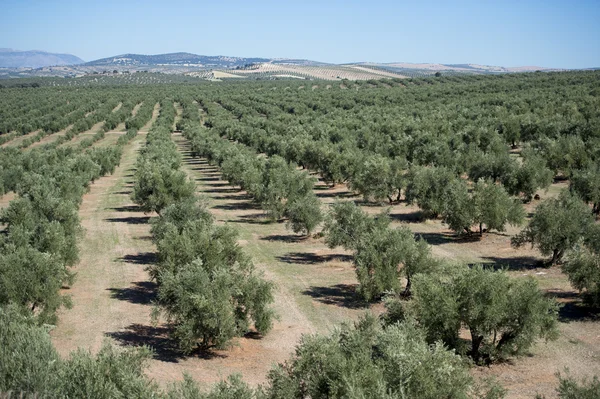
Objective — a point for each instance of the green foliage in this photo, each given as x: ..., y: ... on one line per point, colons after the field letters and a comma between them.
x: 30, y: 366
x: 569, y: 388
x: 494, y: 208
x: 586, y: 183
x: 557, y: 225
x: 503, y: 315
x: 346, y: 225
x: 582, y: 266
x: 529, y: 177
x: 158, y: 186
x: 429, y: 187
x: 366, y: 361
x: 28, y: 362
x: 232, y: 388
x: 381, y: 254
x: 208, y: 304
x: 304, y: 214
x: 111, y: 373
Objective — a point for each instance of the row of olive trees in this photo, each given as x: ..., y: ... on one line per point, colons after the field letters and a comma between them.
x: 278, y: 186
x: 42, y: 225
x: 208, y: 288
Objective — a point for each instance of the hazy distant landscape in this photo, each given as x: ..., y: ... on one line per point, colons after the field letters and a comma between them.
x: 40, y: 64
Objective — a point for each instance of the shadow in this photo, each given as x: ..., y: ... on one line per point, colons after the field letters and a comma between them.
x: 126, y: 208
x: 308, y: 258
x: 157, y: 338
x: 140, y: 292
x: 123, y: 192
x: 220, y: 190
x: 439, y: 238
x: 142, y: 258
x: 283, y: 238
x: 343, y: 295
x: 516, y: 263
x: 412, y: 217
x: 241, y: 206
x: 144, y: 238
x: 130, y: 220
x: 573, y: 307
x: 343, y: 194
x: 224, y: 184
x: 240, y: 196
x: 216, y: 178
x: 371, y: 204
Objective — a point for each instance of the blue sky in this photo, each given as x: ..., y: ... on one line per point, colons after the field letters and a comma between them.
x: 561, y: 34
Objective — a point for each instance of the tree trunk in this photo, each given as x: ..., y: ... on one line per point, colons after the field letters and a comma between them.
x: 476, y: 341
x: 390, y: 199
x: 556, y: 256
x: 480, y: 229
x: 406, y: 292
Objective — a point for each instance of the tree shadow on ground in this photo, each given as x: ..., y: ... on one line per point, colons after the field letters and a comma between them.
x: 439, y: 238
x: 130, y: 220
x: 140, y: 292
x: 123, y: 192
x: 342, y: 194
x: 514, y: 263
x: 256, y: 218
x: 239, y: 196
x: 157, y: 338
x: 291, y: 238
x: 372, y: 204
x: 208, y: 178
x: 220, y: 190
x: 142, y: 258
x: 223, y: 184
x: 343, y: 295
x: 573, y: 307
x: 309, y: 258
x: 238, y: 206
x: 126, y: 208
x: 411, y: 217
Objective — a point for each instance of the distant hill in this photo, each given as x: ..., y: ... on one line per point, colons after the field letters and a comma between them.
x: 188, y: 59
x: 10, y: 58
x: 423, y: 69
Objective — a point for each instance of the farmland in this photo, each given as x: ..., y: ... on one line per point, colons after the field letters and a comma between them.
x: 224, y: 225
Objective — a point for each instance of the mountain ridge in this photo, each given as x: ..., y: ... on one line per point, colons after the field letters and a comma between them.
x: 11, y: 58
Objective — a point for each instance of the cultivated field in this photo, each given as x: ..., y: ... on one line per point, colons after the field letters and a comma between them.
x: 268, y: 161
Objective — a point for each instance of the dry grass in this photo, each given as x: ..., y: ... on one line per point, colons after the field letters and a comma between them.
x: 315, y: 285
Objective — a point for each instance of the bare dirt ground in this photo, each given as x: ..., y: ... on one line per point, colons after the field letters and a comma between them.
x: 315, y: 285
x: 110, y: 275
x: 50, y: 138
x: 84, y: 135
x: 19, y: 139
x: 321, y: 281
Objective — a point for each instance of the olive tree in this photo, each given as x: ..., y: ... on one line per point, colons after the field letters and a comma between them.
x: 582, y: 266
x: 368, y: 361
x: 557, y: 225
x: 504, y: 316
x: 209, y: 304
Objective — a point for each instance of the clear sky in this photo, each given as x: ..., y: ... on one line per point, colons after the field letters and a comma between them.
x: 560, y: 34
